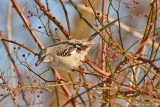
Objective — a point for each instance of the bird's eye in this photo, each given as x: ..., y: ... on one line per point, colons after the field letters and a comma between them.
x: 43, y: 58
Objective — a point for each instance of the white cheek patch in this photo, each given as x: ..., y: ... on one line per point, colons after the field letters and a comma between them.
x: 74, y: 52
x: 48, y: 59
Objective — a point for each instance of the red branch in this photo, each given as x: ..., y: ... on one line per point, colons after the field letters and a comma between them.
x: 97, y: 69
x: 18, y: 72
x: 35, y: 37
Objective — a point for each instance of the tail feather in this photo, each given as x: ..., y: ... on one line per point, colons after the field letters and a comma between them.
x: 101, y: 30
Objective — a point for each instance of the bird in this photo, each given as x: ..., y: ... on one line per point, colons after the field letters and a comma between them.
x: 69, y: 54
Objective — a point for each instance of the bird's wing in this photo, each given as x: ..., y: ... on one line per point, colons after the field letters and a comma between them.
x: 68, y: 48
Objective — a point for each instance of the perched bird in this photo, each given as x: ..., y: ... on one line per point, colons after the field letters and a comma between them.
x: 69, y: 54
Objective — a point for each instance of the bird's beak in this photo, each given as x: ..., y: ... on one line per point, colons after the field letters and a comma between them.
x: 38, y: 62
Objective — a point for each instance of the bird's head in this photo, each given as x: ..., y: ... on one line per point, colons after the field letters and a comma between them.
x: 44, y: 56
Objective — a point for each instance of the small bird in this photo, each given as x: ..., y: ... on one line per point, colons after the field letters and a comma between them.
x: 70, y: 54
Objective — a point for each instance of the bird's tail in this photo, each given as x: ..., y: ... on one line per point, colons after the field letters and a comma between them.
x: 101, y: 30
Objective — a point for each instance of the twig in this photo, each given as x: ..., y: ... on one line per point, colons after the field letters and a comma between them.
x: 67, y: 19
x: 88, y: 92
x: 51, y: 17
x: 14, y: 42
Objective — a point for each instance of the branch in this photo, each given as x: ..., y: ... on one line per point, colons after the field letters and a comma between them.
x: 28, y: 25
x: 51, y: 17
x: 65, y: 89
x: 18, y: 72
x: 97, y: 69
x: 14, y: 42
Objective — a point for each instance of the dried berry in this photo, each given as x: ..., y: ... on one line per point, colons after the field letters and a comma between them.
x: 23, y: 55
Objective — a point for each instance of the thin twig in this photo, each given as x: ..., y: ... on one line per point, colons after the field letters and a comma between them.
x: 67, y: 19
